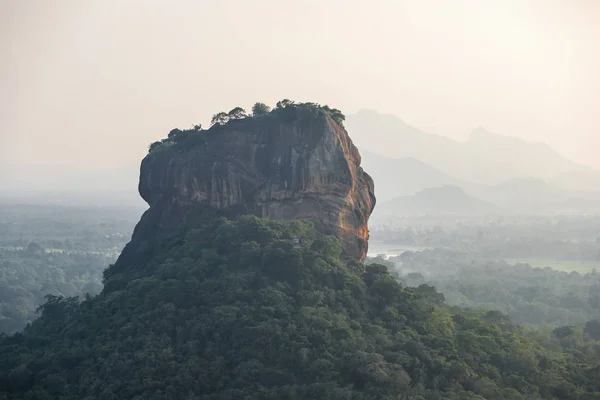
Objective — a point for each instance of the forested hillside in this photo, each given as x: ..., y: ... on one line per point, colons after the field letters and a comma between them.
x: 234, y: 309
x: 54, y: 250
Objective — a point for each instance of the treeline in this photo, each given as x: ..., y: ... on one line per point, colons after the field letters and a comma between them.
x: 235, y: 310
x: 55, y: 250
x: 530, y: 296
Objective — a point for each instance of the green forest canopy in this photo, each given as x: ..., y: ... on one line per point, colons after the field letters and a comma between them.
x: 234, y: 310
x: 530, y: 296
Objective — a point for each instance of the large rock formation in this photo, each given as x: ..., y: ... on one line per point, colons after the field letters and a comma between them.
x: 270, y: 167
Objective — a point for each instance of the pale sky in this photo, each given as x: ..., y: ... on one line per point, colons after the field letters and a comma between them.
x: 90, y: 83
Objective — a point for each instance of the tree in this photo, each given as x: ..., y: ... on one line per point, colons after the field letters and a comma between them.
x: 336, y: 115
x: 284, y: 103
x: 592, y: 329
x: 34, y: 248
x: 173, y: 133
x: 260, y: 109
x: 237, y: 113
x: 220, y: 118
x: 328, y: 246
x: 407, y: 256
x: 430, y: 294
x: 177, y: 135
x: 197, y: 127
x: 154, y: 146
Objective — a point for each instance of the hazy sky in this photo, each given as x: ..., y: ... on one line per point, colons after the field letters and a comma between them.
x: 90, y: 83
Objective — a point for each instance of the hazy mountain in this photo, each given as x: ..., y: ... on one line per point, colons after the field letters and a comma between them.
x: 444, y: 199
x: 577, y: 180
x: 485, y: 157
x: 532, y: 194
x: 522, y: 192
x: 516, y: 158
x: 391, y: 137
x: 575, y: 205
x: 404, y: 176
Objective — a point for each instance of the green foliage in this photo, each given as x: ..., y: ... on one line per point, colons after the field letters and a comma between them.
x: 306, y: 111
x: 530, y: 296
x: 187, y: 137
x: 284, y: 103
x: 237, y: 113
x: 174, y: 134
x: 335, y: 114
x: 260, y: 110
x: 26, y: 277
x: 233, y: 310
x: 220, y: 118
x: 56, y: 250
x: 159, y: 145
x: 592, y: 329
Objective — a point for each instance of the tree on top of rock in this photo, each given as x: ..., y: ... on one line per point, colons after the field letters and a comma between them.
x: 174, y: 132
x: 335, y: 114
x: 260, y: 109
x: 284, y: 103
x: 237, y: 113
x: 220, y: 118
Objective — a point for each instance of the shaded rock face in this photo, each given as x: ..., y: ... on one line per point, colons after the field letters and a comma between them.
x: 270, y: 168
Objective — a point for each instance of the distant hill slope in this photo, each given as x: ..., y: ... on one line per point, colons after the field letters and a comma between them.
x: 444, y: 199
x: 485, y: 157
x: 523, y: 192
x: 403, y: 176
x: 406, y: 176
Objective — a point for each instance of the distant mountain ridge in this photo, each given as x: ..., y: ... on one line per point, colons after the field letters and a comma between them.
x: 438, y: 200
x: 404, y: 177
x: 485, y: 158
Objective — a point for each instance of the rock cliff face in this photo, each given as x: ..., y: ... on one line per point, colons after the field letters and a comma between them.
x: 268, y: 167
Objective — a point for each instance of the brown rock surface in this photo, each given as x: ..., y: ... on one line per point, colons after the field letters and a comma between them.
x: 268, y: 167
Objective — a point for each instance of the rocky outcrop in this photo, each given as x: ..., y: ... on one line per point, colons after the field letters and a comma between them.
x: 268, y: 167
